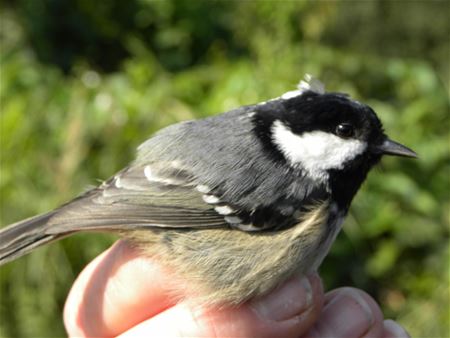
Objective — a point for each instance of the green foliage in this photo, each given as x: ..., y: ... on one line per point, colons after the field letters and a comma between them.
x: 68, y: 124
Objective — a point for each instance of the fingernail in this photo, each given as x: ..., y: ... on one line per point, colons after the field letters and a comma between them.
x: 289, y: 300
x: 394, y: 329
x: 345, y: 315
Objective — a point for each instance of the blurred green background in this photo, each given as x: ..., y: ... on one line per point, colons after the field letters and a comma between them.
x: 84, y: 82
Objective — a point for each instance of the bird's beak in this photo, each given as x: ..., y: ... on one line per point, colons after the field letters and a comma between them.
x: 389, y: 147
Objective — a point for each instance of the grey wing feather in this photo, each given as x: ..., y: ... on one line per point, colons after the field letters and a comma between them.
x: 134, y: 198
x: 22, y: 237
x: 157, y: 195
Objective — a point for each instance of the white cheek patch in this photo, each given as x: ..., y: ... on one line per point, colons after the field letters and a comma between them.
x: 315, y: 151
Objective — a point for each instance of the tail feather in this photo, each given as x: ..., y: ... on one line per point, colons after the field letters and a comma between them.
x: 20, y: 238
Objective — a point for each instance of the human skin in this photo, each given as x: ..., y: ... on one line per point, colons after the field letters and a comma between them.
x: 121, y: 293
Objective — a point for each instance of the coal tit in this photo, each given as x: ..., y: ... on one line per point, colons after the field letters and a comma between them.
x: 235, y: 203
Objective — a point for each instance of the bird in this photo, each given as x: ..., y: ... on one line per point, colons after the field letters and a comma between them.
x: 235, y: 203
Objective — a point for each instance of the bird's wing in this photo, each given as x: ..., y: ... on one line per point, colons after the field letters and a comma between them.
x: 164, y: 194
x: 153, y: 195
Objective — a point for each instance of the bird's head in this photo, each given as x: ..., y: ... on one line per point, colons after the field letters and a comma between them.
x: 328, y: 136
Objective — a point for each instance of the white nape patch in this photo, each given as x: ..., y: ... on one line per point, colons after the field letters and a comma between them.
x: 291, y: 94
x: 315, y: 151
x: 312, y: 84
x: 224, y: 210
x: 152, y: 177
x: 211, y: 199
x: 309, y: 83
x: 204, y: 189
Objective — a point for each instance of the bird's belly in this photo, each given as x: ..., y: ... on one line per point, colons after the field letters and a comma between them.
x: 229, y: 266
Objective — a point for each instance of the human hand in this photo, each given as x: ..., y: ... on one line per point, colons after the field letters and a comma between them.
x: 121, y: 293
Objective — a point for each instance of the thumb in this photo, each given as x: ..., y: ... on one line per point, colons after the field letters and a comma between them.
x: 288, y: 311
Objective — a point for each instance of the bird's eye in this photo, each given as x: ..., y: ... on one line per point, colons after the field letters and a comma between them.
x: 344, y: 130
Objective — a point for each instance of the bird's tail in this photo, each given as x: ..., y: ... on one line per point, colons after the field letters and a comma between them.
x: 20, y: 238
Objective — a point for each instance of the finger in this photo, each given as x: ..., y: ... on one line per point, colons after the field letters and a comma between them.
x: 116, y: 291
x: 393, y: 330
x: 350, y: 313
x: 286, y: 312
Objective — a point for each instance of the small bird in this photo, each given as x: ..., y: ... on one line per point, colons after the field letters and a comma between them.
x: 236, y: 203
